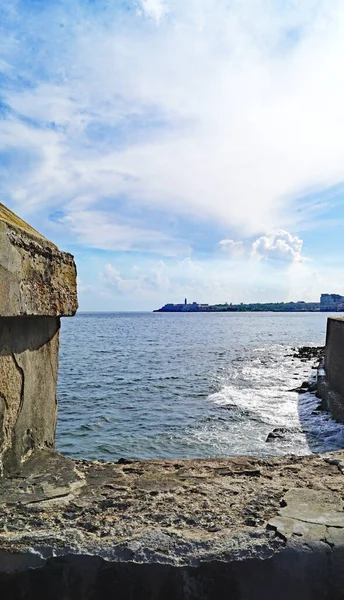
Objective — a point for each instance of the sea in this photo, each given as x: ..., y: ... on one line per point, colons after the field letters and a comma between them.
x: 184, y: 385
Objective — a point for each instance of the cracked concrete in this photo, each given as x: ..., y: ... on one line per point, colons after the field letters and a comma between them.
x: 28, y: 375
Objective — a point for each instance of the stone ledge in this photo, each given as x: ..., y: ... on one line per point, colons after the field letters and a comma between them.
x: 282, y: 516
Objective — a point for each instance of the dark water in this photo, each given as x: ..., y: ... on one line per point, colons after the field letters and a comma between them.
x: 188, y: 385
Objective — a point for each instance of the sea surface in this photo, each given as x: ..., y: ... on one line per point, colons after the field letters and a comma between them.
x: 183, y: 385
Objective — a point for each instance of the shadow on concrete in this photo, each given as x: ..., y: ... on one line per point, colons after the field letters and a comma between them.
x: 18, y: 334
x: 290, y: 573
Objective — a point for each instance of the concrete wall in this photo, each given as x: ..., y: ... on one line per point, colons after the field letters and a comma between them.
x: 35, y: 277
x: 291, y: 574
x: 37, y: 286
x: 331, y: 379
x: 28, y: 377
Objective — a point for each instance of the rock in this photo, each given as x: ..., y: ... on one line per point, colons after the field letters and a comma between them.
x: 306, y: 353
x: 214, y: 529
x: 280, y: 433
x: 306, y: 386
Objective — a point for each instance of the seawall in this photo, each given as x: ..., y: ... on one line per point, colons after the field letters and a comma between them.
x: 331, y: 371
x: 234, y: 529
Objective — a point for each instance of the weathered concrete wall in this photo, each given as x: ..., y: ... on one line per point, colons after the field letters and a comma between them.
x: 37, y: 286
x: 331, y: 373
x: 35, y: 277
x: 28, y: 377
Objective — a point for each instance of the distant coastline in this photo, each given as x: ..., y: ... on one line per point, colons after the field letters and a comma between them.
x: 328, y: 303
x: 256, y: 307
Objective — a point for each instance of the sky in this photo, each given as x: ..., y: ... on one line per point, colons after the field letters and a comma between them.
x: 179, y: 148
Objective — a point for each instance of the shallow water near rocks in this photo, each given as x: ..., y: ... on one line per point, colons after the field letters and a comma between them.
x: 147, y: 385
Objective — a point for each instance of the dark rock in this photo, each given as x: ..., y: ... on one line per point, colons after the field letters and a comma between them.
x: 280, y: 433
x: 309, y: 353
x: 214, y: 529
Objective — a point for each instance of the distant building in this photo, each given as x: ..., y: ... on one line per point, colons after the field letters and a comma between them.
x: 331, y: 303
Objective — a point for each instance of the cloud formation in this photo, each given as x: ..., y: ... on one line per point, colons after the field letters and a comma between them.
x: 280, y: 246
x: 155, y: 9
x: 157, y: 127
x: 232, y: 248
x: 104, y: 231
x: 154, y: 281
x: 224, y: 112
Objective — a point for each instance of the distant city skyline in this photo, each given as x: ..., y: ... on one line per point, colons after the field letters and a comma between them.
x: 179, y: 148
x: 327, y: 303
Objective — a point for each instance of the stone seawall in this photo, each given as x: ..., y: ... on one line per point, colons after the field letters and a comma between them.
x: 221, y: 529
x: 331, y: 371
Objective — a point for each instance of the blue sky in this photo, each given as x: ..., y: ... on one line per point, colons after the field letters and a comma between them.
x: 179, y: 148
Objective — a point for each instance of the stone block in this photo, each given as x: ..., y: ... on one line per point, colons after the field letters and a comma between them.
x: 36, y: 278
x: 37, y: 286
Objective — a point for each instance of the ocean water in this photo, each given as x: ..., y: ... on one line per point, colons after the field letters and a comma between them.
x: 145, y: 385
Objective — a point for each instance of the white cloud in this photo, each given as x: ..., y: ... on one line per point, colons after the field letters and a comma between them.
x: 157, y: 283
x: 101, y: 230
x: 279, y: 246
x: 240, y: 106
x: 232, y: 248
x: 154, y: 281
x: 155, y: 9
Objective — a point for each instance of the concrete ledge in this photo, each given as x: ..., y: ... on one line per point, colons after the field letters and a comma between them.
x: 237, y: 528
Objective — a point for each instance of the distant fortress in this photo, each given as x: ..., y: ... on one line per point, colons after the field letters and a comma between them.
x: 328, y: 303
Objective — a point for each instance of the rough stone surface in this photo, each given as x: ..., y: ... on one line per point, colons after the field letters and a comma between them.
x: 28, y: 376
x: 330, y: 379
x: 37, y: 286
x: 35, y: 277
x: 239, y: 528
